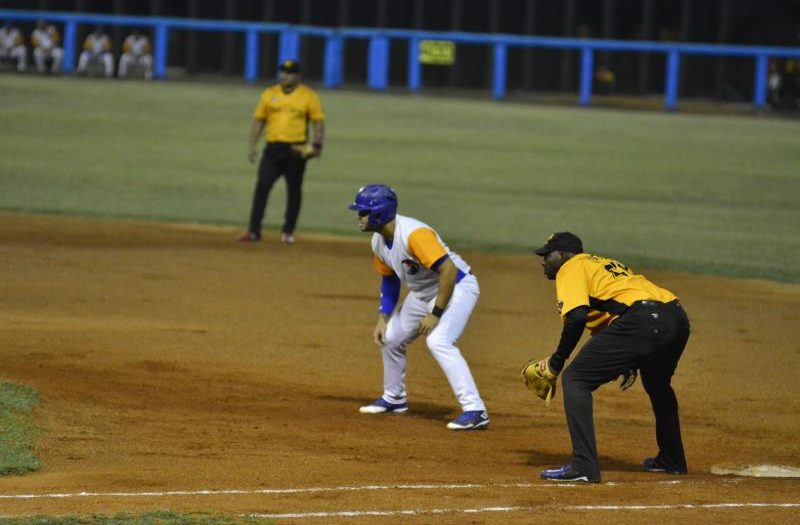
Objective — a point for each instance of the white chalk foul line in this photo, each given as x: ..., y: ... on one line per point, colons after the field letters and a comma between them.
x: 311, y: 490
x: 548, y: 508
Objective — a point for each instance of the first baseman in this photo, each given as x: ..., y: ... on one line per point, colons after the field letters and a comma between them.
x: 442, y: 294
x: 634, y: 325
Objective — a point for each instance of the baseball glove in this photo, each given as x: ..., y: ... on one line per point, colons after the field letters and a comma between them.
x: 539, y: 378
x: 304, y: 151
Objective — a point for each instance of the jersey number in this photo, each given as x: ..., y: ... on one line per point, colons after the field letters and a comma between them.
x: 617, y: 269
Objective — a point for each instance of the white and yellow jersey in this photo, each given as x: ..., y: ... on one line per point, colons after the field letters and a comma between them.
x: 45, y: 38
x: 10, y: 38
x: 413, y: 253
x: 136, y: 45
x: 97, y: 44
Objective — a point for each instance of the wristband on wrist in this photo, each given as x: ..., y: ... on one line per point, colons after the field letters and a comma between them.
x: 317, y: 146
x: 437, y: 311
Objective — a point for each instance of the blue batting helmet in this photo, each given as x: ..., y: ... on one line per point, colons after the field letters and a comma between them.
x: 379, y: 200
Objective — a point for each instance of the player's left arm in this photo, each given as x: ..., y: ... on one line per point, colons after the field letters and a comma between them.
x: 318, y: 134
x: 425, y: 246
x: 317, y: 118
x: 447, y: 283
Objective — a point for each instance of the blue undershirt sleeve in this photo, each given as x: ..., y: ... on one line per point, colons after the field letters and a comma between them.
x: 439, y: 262
x: 390, y: 293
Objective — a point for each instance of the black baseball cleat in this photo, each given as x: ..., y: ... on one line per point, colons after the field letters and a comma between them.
x: 568, y: 473
x: 656, y: 465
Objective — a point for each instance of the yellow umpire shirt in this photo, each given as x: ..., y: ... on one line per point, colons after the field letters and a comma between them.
x: 604, y: 285
x: 287, y: 114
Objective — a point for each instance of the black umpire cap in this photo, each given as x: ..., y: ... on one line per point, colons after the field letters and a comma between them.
x: 289, y: 66
x: 561, y: 241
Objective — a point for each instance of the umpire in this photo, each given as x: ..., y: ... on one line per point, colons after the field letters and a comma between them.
x: 634, y: 325
x: 285, y: 109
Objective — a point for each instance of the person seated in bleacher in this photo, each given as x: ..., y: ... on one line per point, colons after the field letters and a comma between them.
x: 97, y: 51
x: 12, y: 46
x: 136, y: 52
x: 45, y: 39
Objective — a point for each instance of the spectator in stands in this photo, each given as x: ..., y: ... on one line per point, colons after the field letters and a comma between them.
x: 97, y: 51
x: 12, y: 46
x: 45, y: 39
x: 136, y: 52
x: 605, y: 80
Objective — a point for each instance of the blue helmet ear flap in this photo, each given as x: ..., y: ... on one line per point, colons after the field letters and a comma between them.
x: 379, y: 200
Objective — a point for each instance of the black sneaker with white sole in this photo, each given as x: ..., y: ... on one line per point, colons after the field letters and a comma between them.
x: 568, y: 473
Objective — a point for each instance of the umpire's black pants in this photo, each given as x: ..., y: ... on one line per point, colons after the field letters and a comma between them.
x: 649, y: 336
x: 278, y: 159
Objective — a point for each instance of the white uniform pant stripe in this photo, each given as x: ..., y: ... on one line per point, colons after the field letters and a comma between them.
x: 402, y: 329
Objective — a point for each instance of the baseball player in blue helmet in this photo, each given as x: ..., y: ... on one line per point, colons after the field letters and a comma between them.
x: 442, y: 294
x: 380, y: 201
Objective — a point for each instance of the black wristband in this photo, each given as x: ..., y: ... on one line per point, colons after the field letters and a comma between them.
x: 317, y: 146
x: 437, y: 311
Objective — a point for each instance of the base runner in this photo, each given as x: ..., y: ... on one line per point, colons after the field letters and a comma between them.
x: 442, y: 294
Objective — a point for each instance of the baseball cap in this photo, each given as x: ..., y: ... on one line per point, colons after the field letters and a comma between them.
x: 561, y: 241
x: 289, y: 66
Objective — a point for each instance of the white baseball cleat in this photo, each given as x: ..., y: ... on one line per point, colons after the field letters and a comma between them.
x: 381, y: 406
x: 470, y: 420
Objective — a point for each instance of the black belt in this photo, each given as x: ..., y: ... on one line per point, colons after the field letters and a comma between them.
x: 649, y: 302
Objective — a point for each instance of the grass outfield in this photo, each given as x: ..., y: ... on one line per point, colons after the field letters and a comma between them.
x: 16, y: 437
x: 708, y: 194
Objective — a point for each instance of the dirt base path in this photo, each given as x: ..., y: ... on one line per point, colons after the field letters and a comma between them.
x: 181, y: 370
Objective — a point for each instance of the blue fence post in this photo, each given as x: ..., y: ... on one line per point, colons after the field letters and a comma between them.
x: 333, y: 62
x: 289, y: 46
x: 161, y: 37
x: 414, y: 67
x: 251, y: 55
x: 378, y: 63
x: 673, y: 75
x: 587, y: 70
x: 760, y: 81
x: 70, y: 35
x: 499, y: 83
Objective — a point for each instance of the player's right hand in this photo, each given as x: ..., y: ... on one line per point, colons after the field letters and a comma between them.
x: 252, y: 156
x: 379, y: 334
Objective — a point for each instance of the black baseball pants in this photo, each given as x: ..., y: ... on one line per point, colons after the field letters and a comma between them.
x: 278, y: 160
x: 649, y: 336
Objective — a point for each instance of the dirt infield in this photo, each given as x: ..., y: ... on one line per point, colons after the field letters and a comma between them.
x: 181, y: 370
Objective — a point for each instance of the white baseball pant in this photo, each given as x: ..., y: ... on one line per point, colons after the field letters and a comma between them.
x: 143, y: 61
x: 104, y: 59
x: 402, y: 329
x: 17, y: 53
x: 41, y: 56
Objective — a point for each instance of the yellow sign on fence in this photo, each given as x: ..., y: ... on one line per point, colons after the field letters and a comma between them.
x: 437, y: 52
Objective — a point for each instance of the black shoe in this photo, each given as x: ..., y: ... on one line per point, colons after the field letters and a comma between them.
x: 568, y: 473
x: 656, y: 465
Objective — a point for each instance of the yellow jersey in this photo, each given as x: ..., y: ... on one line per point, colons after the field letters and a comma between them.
x: 287, y: 114
x: 606, y: 286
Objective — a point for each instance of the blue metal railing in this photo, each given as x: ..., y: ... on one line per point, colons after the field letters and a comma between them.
x: 290, y: 39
